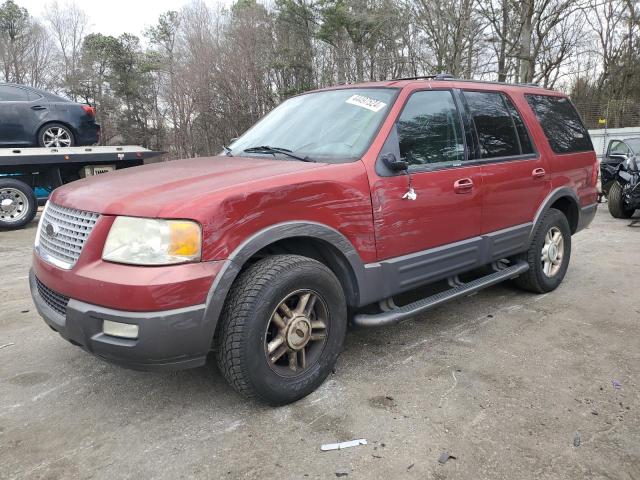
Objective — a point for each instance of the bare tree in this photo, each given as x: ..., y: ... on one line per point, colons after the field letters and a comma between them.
x: 68, y: 25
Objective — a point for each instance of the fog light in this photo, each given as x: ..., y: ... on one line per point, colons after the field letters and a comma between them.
x: 117, y: 329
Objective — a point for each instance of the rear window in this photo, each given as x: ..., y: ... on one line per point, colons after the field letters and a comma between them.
x: 561, y: 123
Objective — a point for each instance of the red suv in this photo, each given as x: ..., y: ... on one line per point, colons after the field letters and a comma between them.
x: 323, y: 212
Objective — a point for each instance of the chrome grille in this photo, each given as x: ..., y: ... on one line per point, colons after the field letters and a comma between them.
x: 54, y: 299
x: 62, y: 234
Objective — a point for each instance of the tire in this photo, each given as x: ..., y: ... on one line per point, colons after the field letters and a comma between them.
x: 536, y: 279
x: 47, y: 136
x: 250, y: 337
x: 18, y: 204
x: 617, y: 208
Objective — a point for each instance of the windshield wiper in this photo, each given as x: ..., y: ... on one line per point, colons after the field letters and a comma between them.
x: 283, y: 151
x: 227, y: 151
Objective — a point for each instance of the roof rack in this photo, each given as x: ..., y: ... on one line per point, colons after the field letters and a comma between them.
x: 439, y: 76
x: 448, y: 76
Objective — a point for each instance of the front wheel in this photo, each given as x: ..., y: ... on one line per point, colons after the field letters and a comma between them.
x: 548, y: 255
x: 18, y: 203
x: 617, y: 206
x: 281, y: 329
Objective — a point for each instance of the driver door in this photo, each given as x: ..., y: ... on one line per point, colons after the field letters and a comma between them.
x: 617, y: 152
x: 448, y: 205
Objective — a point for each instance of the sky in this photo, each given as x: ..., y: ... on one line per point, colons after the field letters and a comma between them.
x: 113, y: 17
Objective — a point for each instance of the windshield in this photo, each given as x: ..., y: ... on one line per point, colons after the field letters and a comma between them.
x: 328, y: 126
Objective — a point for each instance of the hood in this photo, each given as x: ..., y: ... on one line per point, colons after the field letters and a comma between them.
x: 147, y: 190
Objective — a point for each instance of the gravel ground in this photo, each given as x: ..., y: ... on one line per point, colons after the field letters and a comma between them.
x: 513, y: 385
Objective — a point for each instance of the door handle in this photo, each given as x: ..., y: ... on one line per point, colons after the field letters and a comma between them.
x: 38, y: 107
x: 464, y: 185
x: 538, y: 173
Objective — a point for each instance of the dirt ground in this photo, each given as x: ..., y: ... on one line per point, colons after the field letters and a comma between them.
x: 513, y: 385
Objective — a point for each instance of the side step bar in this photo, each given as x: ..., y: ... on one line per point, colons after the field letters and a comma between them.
x: 398, y: 314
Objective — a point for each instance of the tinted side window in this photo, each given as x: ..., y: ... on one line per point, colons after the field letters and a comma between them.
x: 525, y: 141
x: 561, y: 123
x: 496, y: 130
x: 429, y: 129
x: 12, y: 94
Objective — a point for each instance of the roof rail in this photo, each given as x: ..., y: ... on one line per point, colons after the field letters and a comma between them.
x: 419, y: 77
x: 447, y: 76
x: 439, y: 76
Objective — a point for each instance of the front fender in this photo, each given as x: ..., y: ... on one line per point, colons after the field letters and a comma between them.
x: 267, y: 236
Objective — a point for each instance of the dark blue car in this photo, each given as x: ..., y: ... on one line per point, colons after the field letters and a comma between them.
x: 30, y: 117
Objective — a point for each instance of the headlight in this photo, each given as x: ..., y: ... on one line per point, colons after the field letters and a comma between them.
x: 146, y: 241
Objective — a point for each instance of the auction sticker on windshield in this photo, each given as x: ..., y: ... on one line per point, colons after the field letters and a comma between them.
x: 366, y: 102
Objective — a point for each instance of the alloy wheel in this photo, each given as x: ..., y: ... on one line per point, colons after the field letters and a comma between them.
x: 56, y: 137
x: 552, y: 252
x: 296, y: 333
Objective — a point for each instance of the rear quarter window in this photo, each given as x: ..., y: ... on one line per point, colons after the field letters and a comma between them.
x: 561, y: 123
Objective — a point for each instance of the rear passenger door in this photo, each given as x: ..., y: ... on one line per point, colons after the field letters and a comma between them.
x: 514, y: 175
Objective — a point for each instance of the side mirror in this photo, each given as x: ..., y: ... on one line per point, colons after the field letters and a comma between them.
x: 233, y: 140
x: 394, y: 164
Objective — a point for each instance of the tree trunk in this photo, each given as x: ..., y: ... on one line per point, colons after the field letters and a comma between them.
x: 526, y: 38
x: 502, y: 55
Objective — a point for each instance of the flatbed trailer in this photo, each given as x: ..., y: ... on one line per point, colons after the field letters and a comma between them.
x: 25, y: 171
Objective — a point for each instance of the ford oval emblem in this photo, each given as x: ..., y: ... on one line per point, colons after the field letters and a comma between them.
x: 51, y: 230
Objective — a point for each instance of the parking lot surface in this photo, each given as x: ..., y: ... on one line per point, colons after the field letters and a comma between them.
x: 513, y: 385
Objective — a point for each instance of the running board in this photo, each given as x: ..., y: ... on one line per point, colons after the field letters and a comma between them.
x: 398, y: 314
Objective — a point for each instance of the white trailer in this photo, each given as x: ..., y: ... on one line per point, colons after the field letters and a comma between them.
x: 23, y: 171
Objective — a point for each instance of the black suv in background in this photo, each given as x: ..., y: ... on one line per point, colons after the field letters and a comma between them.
x: 31, y: 117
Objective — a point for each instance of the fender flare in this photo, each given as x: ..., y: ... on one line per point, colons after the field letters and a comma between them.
x: 233, y: 265
x: 550, y: 200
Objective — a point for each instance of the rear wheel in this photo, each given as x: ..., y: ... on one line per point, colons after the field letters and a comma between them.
x: 617, y: 206
x: 281, y: 329
x: 54, y: 135
x: 548, y: 255
x: 18, y: 203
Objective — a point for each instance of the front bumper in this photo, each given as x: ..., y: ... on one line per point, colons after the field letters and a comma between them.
x: 167, y: 340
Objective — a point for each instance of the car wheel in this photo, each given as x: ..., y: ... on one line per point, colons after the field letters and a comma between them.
x: 617, y: 207
x: 282, y: 328
x: 18, y: 203
x: 54, y: 135
x: 548, y: 255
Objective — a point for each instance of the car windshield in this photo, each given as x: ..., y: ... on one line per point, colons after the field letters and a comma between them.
x: 328, y: 126
x: 634, y: 144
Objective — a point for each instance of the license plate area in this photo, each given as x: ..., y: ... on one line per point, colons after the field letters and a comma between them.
x: 90, y: 170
